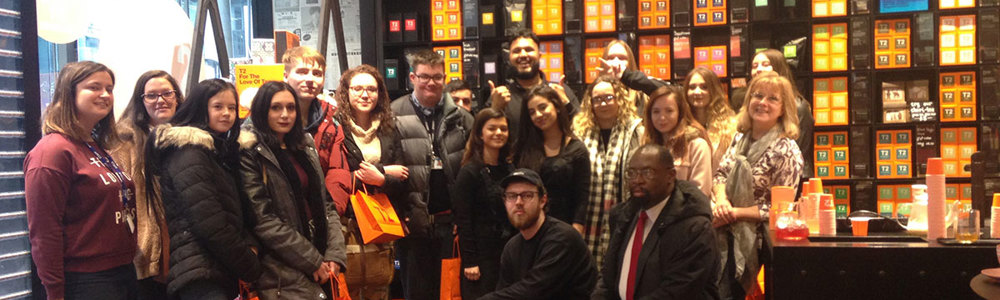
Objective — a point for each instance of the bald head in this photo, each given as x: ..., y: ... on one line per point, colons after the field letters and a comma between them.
x: 659, y: 154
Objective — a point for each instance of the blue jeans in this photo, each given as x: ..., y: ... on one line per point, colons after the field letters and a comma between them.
x: 117, y: 283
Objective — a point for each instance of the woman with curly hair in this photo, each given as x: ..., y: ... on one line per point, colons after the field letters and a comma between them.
x: 610, y: 130
x: 372, y: 148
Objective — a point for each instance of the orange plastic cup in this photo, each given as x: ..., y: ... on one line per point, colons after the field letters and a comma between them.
x: 859, y: 226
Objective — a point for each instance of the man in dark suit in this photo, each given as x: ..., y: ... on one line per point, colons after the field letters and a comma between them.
x: 662, y: 243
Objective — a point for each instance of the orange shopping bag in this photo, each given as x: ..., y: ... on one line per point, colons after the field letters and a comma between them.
x: 451, y: 270
x: 338, y: 286
x: 376, y: 217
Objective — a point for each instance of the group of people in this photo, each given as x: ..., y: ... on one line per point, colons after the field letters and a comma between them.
x: 639, y: 189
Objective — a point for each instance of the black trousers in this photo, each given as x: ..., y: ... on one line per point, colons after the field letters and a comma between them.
x: 118, y: 283
x: 420, y: 261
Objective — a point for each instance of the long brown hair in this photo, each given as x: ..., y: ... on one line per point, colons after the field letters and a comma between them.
x: 529, y: 151
x: 474, y: 146
x: 631, y: 56
x: 719, y: 112
x: 686, y: 130
x: 135, y: 121
x: 60, y: 116
x: 778, y: 65
x: 381, y: 112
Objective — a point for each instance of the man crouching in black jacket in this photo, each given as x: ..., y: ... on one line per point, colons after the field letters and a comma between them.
x: 662, y: 243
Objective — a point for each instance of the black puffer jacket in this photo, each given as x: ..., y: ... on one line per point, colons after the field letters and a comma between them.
x: 289, y: 258
x: 417, y: 148
x: 208, y: 236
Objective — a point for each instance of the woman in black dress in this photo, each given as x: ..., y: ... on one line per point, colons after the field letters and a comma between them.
x: 483, y: 229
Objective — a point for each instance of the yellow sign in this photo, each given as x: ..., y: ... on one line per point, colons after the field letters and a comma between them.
x: 251, y: 77
x: 488, y: 18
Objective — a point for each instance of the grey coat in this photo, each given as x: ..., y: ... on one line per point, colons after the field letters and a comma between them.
x: 289, y: 258
x: 452, y: 131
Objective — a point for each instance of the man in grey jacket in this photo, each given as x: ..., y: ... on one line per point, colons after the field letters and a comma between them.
x: 433, y: 132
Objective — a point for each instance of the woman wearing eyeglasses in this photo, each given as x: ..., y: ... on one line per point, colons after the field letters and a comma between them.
x: 154, y: 101
x: 483, y: 228
x: 372, y: 148
x: 610, y: 130
x: 764, y: 154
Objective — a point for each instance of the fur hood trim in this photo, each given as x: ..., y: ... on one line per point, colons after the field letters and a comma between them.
x: 247, y: 139
x: 179, y: 136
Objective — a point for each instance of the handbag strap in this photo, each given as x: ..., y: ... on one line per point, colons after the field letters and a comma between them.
x: 355, y: 232
x: 455, y: 248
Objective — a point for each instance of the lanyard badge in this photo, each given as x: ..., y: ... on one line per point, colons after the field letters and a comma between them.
x: 110, y: 165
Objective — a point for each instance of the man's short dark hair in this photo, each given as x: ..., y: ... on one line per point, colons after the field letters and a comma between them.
x: 524, y: 33
x: 426, y: 57
x: 457, y: 85
x: 663, y: 156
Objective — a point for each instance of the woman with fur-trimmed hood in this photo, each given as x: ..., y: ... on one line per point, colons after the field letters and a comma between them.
x: 294, y: 219
x: 195, y: 158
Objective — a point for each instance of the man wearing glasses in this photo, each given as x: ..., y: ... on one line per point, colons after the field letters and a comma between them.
x: 662, y: 243
x: 433, y: 132
x: 548, y: 259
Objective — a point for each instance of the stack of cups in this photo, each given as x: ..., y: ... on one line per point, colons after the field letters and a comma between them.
x: 995, y: 217
x: 827, y: 215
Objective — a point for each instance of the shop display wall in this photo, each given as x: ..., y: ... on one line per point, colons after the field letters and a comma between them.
x: 892, y: 82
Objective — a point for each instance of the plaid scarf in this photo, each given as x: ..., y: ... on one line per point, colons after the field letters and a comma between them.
x: 607, y: 186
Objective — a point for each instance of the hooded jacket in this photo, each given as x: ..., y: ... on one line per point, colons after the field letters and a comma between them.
x: 678, y: 260
x: 208, y: 235
x: 289, y: 258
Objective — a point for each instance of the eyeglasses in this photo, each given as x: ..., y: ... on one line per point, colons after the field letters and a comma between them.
x: 151, y: 97
x: 645, y: 173
x: 526, y: 196
x: 359, y: 90
x: 603, y: 100
x: 424, y: 78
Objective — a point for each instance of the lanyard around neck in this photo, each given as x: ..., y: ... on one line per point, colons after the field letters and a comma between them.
x: 110, y: 165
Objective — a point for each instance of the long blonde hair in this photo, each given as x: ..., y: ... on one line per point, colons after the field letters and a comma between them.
x: 720, y: 115
x: 585, y: 121
x: 771, y: 81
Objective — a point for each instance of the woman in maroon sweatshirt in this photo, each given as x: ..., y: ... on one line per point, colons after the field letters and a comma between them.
x: 80, y: 204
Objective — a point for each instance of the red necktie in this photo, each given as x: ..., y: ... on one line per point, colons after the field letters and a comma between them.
x: 636, y: 249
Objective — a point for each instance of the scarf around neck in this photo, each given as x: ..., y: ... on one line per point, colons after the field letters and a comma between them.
x: 366, y: 135
x: 740, y: 191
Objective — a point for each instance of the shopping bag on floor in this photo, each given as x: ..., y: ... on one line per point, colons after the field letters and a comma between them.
x: 376, y: 217
x: 451, y: 272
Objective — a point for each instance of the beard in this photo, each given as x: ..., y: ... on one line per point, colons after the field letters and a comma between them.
x: 524, y: 221
x: 529, y: 74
